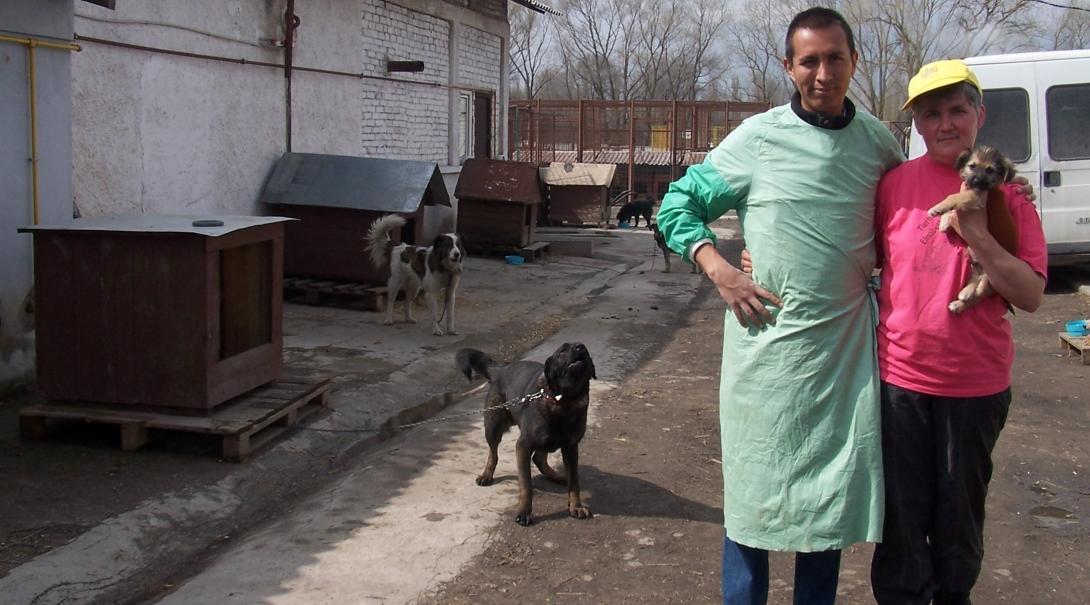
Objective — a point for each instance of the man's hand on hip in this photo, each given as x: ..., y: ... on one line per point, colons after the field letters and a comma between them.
x: 743, y: 296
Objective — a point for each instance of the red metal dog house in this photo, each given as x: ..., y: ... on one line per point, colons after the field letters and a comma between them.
x: 336, y: 198
x: 498, y: 203
x: 156, y: 310
x: 578, y: 194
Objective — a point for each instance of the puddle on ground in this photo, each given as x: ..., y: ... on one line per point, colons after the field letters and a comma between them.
x: 1052, y: 516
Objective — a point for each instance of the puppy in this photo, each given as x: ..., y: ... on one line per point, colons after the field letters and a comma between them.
x: 983, y: 170
x: 555, y: 420
x: 437, y: 269
x: 634, y: 210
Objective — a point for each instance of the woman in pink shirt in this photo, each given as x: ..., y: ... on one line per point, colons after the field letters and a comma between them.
x: 945, y: 377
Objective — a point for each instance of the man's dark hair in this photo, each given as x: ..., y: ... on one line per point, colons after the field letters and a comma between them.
x: 818, y: 17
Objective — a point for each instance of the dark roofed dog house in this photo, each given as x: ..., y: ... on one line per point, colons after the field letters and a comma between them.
x: 154, y: 311
x: 498, y: 203
x: 336, y: 198
x: 578, y: 193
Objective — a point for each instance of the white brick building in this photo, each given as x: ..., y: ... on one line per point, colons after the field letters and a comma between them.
x: 183, y: 107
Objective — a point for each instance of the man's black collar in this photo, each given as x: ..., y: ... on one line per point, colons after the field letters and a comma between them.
x: 816, y: 119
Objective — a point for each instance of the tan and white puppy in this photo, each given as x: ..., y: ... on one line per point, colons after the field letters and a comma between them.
x: 983, y: 170
x: 436, y: 269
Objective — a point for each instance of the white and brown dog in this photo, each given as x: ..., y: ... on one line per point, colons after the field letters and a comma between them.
x: 437, y: 269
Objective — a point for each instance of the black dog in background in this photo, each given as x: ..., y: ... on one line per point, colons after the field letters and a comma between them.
x: 634, y: 210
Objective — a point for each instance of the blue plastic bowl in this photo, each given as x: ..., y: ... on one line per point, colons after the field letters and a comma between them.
x: 514, y: 259
x: 1076, y: 327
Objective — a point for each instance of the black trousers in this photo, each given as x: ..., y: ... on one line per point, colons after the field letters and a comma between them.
x: 937, y: 454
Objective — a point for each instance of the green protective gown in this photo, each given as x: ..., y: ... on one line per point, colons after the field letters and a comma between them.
x: 799, y: 409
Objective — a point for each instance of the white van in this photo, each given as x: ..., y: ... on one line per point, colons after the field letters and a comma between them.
x: 1039, y: 116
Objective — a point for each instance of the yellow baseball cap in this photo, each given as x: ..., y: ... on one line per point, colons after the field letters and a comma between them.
x: 935, y: 75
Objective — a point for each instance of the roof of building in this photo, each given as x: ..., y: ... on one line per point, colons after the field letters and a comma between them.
x: 499, y: 181
x: 206, y: 225
x: 537, y: 6
x: 314, y: 179
x: 573, y: 173
x: 641, y: 157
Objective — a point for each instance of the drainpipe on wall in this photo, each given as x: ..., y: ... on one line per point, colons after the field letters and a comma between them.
x: 31, y: 44
x: 290, y: 23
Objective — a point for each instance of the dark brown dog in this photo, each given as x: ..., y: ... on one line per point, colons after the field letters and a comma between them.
x: 983, y: 170
x: 554, y: 419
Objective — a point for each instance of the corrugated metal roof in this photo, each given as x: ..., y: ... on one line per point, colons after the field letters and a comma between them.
x: 537, y: 6
x: 339, y: 181
x: 499, y: 180
x: 158, y: 223
x: 572, y: 173
x: 615, y: 156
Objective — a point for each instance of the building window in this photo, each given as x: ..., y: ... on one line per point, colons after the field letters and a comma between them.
x: 1007, y: 126
x: 464, y: 129
x: 1068, y: 112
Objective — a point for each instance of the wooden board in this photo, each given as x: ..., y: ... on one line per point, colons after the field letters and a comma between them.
x: 245, y: 423
x: 1076, y: 345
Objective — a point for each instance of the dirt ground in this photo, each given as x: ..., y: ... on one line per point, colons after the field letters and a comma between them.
x: 652, y: 478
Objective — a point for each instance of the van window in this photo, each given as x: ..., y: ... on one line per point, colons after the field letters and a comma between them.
x: 1068, y: 122
x: 1007, y: 125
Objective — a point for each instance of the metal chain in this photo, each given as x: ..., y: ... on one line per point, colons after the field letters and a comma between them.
x: 508, y: 404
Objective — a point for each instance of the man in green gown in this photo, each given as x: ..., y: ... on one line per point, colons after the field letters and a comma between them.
x: 802, y: 460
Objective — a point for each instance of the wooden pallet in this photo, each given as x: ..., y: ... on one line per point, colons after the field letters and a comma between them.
x: 535, y: 251
x: 1076, y: 345
x: 245, y: 423
x: 317, y: 291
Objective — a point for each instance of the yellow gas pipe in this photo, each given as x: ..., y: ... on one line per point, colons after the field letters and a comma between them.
x: 31, y: 44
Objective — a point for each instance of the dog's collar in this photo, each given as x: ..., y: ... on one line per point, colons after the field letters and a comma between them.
x: 816, y: 119
x: 551, y: 398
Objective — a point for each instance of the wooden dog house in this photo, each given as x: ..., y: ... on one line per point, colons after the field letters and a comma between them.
x: 336, y: 198
x: 158, y: 311
x: 578, y: 193
x: 498, y: 203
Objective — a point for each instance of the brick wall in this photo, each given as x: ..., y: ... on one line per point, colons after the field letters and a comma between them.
x: 405, y: 121
x: 489, y: 8
x: 479, y: 59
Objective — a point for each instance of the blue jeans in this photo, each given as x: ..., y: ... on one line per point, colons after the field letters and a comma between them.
x: 745, y: 575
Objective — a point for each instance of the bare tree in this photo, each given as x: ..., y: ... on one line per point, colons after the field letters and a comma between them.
x: 756, y: 38
x: 928, y: 30
x: 655, y: 35
x: 1073, y: 31
x: 688, y: 49
x: 529, y: 51
x: 879, y: 80
x: 698, y: 58
x: 597, y: 44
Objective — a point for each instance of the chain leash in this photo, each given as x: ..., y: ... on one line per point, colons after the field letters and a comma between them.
x: 540, y: 394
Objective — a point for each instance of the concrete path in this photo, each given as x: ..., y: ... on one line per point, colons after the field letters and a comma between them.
x: 410, y: 516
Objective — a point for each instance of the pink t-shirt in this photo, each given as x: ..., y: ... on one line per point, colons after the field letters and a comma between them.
x: 922, y: 346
